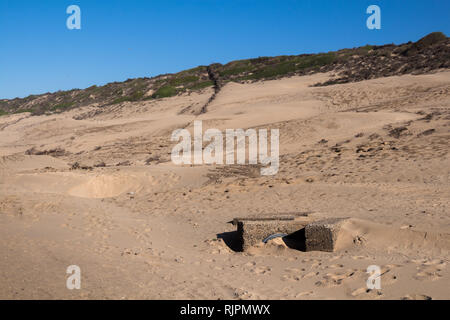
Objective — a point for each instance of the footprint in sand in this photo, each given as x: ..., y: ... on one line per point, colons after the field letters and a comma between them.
x: 291, y: 277
x: 367, y: 292
x: 428, y: 274
x: 292, y: 270
x: 310, y: 274
x: 304, y: 294
x: 261, y: 270
x: 335, y: 258
x: 387, y: 275
x: 335, y: 266
x: 430, y: 269
x: 359, y: 291
x: 417, y: 297
x: 295, y: 274
x: 250, y: 264
x: 335, y: 279
x: 358, y: 257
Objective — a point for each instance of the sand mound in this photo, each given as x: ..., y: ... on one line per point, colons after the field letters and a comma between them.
x: 106, y: 186
x: 375, y: 235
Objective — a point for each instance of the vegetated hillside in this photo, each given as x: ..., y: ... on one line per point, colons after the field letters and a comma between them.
x: 429, y: 53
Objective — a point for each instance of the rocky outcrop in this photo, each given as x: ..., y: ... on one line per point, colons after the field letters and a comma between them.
x: 214, y: 76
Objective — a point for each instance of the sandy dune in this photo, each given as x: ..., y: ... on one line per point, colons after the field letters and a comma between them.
x: 95, y: 187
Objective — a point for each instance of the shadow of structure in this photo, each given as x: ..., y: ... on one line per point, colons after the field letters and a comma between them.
x: 295, y: 240
x: 232, y: 240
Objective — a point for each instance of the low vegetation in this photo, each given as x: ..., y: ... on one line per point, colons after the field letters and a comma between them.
x: 429, y: 53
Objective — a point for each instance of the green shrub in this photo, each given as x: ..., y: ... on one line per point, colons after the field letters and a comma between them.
x: 164, y: 92
x: 430, y: 39
x: 201, y: 85
x: 183, y: 80
x: 62, y: 106
x: 23, y: 111
x: 317, y: 60
x: 120, y: 100
x: 259, y: 60
x: 235, y: 70
x: 135, y: 96
x: 267, y: 68
x: 273, y: 71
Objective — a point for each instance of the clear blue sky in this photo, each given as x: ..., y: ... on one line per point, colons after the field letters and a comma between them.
x: 122, y: 39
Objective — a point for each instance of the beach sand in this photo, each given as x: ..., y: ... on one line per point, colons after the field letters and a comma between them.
x: 141, y: 227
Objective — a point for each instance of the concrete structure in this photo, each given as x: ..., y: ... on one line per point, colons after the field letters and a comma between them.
x: 323, y: 235
x: 254, y: 230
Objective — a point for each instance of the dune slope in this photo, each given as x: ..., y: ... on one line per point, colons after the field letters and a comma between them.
x: 95, y: 187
